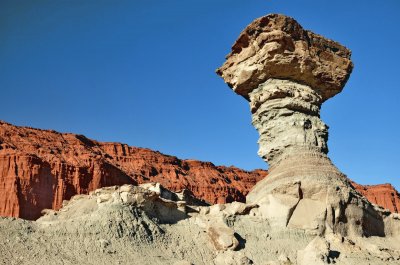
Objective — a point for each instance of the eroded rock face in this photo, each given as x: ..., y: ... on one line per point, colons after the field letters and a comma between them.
x: 286, y: 115
x: 149, y: 224
x: 277, y: 46
x: 41, y: 168
x: 286, y: 73
x: 384, y: 195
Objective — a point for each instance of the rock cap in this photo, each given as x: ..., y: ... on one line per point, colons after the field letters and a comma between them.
x: 277, y: 46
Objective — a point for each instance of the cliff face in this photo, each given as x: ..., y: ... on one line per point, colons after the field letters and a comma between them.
x: 41, y: 168
x: 384, y: 195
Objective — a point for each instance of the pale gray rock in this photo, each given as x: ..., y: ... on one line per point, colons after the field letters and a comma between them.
x: 232, y: 258
x: 118, y: 231
x: 286, y: 115
x: 316, y: 252
x: 222, y: 236
x: 286, y: 73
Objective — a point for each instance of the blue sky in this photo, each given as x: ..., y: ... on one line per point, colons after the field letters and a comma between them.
x: 142, y: 72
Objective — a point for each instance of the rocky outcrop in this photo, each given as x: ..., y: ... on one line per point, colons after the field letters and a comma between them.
x: 305, y: 211
x: 384, y: 195
x: 286, y: 73
x: 276, y: 46
x: 150, y: 225
x: 41, y: 168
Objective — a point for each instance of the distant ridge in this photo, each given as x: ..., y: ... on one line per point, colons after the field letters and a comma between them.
x: 41, y: 168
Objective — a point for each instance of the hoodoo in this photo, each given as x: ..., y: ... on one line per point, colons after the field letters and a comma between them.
x: 286, y: 73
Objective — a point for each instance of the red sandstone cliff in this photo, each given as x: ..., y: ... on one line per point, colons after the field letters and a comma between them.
x: 41, y: 168
x: 384, y: 195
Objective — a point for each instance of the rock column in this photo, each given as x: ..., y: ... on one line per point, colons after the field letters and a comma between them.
x: 286, y: 73
x: 286, y: 115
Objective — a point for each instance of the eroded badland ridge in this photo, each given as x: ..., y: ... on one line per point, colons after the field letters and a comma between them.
x: 41, y: 168
x: 304, y: 212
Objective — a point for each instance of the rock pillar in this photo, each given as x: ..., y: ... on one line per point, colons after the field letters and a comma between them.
x: 286, y: 73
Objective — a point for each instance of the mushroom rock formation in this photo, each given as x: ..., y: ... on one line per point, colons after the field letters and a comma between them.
x: 286, y: 73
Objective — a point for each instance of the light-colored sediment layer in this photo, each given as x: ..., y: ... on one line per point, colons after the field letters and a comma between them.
x: 137, y: 225
x: 286, y: 115
x: 302, y: 179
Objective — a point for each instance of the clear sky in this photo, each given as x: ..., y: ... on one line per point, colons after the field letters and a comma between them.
x: 142, y: 72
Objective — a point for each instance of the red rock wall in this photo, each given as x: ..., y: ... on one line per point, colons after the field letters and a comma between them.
x: 384, y: 195
x: 40, y: 168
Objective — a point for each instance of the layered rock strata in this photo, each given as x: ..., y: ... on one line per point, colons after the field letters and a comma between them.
x: 41, y: 168
x: 286, y: 73
x: 277, y: 46
x: 384, y: 195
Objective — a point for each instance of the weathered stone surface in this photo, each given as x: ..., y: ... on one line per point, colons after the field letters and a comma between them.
x: 286, y: 73
x: 277, y: 208
x: 276, y: 46
x: 41, y: 168
x: 316, y: 252
x: 222, y: 236
x: 232, y: 258
x: 286, y: 115
x: 384, y: 195
x: 106, y: 228
x: 309, y: 215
